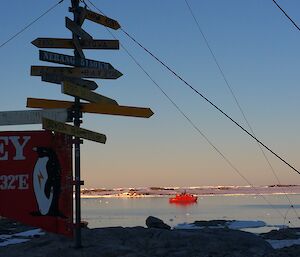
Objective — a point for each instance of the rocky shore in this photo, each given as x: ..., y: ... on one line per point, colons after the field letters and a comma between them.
x: 151, y: 242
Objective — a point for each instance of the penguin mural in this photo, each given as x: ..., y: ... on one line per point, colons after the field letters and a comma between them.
x: 46, y: 182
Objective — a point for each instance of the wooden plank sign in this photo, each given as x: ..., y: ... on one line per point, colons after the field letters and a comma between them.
x: 73, y: 27
x: 58, y: 79
x: 85, y: 94
x: 73, y: 131
x: 101, y: 19
x: 32, y: 116
x: 98, y: 108
x: 69, y: 44
x: 76, y: 72
x: 70, y: 60
x: 48, y: 104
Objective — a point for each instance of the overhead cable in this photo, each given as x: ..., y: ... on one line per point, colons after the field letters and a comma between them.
x: 291, y: 20
x: 194, y: 125
x: 236, y: 101
x: 30, y: 24
x: 209, y: 101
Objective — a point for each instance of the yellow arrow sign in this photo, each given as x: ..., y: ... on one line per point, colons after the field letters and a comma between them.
x: 73, y: 131
x: 140, y: 112
x: 100, y: 19
x: 75, y: 72
x: 69, y: 44
x: 92, y: 108
x: 85, y: 94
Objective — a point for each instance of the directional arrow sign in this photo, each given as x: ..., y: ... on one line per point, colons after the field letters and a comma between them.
x: 58, y: 79
x: 92, y: 108
x: 100, y: 19
x: 73, y: 131
x: 76, y: 72
x: 71, y: 25
x: 70, y: 60
x: 68, y: 43
x: 32, y: 116
x: 118, y: 110
x: 74, y: 90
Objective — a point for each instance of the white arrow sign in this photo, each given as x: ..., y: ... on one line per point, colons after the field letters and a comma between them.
x: 32, y: 116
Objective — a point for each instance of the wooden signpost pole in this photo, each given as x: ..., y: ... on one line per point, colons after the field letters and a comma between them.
x: 77, y: 121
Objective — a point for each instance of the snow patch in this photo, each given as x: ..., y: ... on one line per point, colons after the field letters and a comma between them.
x: 19, y: 237
x: 242, y: 224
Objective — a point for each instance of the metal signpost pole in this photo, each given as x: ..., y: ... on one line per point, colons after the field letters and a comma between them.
x: 77, y: 121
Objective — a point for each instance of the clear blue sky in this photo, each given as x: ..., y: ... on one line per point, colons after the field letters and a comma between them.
x: 257, y: 47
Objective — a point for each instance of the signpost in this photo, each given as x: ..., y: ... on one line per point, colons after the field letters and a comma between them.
x: 85, y: 94
x: 35, y: 166
x: 33, y: 116
x: 69, y: 43
x: 73, y: 131
x: 75, y: 72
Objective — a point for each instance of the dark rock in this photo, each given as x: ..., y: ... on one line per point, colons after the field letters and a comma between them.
x: 292, y: 251
x: 153, y: 222
x: 151, y: 242
x: 211, y: 223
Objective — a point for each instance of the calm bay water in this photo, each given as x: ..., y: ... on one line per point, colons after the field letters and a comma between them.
x: 128, y: 212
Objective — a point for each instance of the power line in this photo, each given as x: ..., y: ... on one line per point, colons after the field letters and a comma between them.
x: 236, y: 100
x: 291, y: 20
x: 209, y: 101
x: 31, y: 23
x: 192, y: 123
x: 205, y: 98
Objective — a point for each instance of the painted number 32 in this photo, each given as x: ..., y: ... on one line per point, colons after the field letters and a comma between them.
x: 12, y: 182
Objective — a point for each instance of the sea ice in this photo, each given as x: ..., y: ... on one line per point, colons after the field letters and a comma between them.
x: 241, y: 224
x: 277, y: 244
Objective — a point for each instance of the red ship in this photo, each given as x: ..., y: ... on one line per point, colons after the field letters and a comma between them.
x: 183, y: 198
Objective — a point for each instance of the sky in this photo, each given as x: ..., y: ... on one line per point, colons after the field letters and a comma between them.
x: 254, y: 44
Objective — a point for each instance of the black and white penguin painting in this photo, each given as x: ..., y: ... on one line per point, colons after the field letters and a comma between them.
x: 47, y: 182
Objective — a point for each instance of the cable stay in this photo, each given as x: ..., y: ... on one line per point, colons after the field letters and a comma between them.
x: 284, y: 216
x: 210, y: 102
x: 286, y: 15
x: 31, y: 23
x: 237, y: 101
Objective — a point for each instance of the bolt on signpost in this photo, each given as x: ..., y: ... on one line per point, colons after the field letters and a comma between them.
x: 73, y: 84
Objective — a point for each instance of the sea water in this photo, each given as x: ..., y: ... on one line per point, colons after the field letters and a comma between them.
x: 129, y: 212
